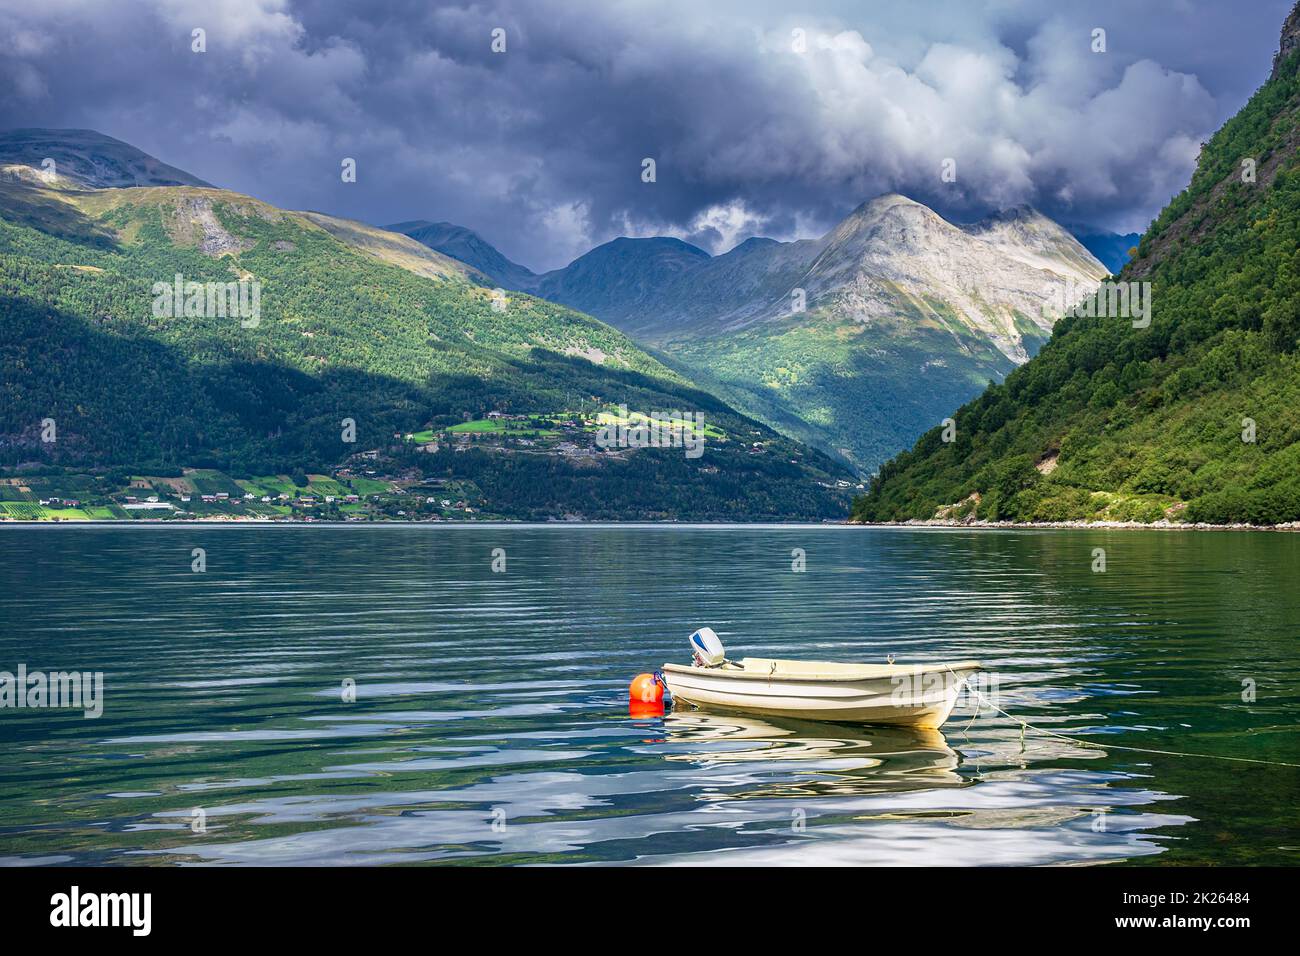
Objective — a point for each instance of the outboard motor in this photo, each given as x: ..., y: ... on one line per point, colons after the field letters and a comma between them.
x: 707, y: 648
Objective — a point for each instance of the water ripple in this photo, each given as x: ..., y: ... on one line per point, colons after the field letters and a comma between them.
x: 489, y: 720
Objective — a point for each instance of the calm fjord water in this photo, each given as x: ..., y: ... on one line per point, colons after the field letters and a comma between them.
x: 491, y: 724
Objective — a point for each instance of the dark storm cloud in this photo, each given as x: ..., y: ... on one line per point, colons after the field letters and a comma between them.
x: 540, y: 148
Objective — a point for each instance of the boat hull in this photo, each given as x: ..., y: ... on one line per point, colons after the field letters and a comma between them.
x: 906, y: 697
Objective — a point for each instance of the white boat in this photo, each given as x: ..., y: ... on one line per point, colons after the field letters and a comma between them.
x: 907, y: 695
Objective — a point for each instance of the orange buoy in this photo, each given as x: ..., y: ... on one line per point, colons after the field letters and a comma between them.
x: 646, y: 689
x: 646, y: 696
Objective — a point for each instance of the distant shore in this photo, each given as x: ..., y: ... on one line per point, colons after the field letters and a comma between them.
x: 1077, y: 525
x: 951, y: 524
x: 445, y: 523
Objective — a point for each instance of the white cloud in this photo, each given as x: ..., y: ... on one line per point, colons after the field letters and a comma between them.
x: 539, y: 148
x: 569, y: 227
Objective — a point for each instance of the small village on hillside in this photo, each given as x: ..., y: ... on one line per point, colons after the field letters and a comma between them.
x: 376, y: 484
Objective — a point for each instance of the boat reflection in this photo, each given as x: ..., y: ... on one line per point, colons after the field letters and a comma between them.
x: 838, y: 759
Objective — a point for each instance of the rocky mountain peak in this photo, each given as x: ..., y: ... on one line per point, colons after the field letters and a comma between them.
x: 890, y: 219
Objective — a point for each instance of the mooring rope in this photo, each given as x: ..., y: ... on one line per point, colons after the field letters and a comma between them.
x: 1026, y: 725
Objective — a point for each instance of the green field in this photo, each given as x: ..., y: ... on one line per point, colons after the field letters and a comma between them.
x: 497, y: 426
x: 62, y: 486
x: 268, y: 485
x: 267, y: 509
x: 66, y: 514
x: 370, y: 486
x: 481, y: 425
x: 210, y: 482
x: 318, y: 485
x: 637, y: 418
x: 24, y: 511
x: 325, y: 485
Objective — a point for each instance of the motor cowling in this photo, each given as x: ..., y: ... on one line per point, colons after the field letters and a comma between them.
x: 707, y: 648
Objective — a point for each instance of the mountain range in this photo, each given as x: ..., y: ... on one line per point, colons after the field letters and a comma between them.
x: 855, y: 342
x: 808, y: 358
x: 357, y: 325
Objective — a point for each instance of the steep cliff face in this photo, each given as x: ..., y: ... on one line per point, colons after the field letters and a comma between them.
x: 1290, y: 41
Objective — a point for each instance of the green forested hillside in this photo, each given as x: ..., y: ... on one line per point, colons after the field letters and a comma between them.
x: 1111, y: 421
x: 347, y: 329
x: 901, y: 316
x: 863, y: 391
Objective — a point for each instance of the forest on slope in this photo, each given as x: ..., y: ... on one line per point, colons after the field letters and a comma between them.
x: 343, y: 333
x: 1191, y: 418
